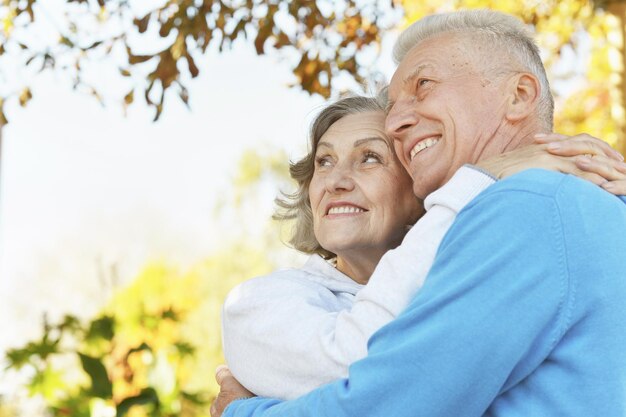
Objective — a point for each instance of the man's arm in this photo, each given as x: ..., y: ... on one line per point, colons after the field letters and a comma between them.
x: 490, y: 312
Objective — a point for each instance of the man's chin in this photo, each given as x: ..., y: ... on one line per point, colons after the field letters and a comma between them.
x: 426, y: 183
x: 421, y: 189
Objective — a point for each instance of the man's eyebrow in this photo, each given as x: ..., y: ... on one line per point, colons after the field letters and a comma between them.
x: 415, y: 73
x: 409, y: 79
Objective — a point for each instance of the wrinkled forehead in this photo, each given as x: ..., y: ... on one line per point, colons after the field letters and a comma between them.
x: 356, y: 126
x: 440, y: 54
x: 444, y: 54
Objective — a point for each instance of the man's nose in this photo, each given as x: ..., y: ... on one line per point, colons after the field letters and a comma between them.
x: 400, y: 119
x: 340, y: 178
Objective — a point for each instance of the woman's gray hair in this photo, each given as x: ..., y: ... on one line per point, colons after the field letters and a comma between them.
x: 297, y: 206
x: 502, y: 30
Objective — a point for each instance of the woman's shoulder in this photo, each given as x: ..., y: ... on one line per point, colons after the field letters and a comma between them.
x: 278, y: 280
x: 313, y: 279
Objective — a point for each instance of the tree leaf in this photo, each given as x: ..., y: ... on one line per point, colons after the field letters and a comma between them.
x: 66, y: 41
x: 141, y: 347
x: 46, y: 382
x: 93, y: 45
x: 179, y: 47
x: 185, y: 349
x: 101, y: 328
x: 184, y: 96
x: 25, y: 96
x: 265, y: 30
x: 146, y: 396
x: 137, y: 59
x: 142, y: 24
x: 101, y: 385
x: 197, y: 398
x: 129, y: 98
x: 70, y: 323
x: 17, y: 358
x: 166, y: 28
x: 193, y: 69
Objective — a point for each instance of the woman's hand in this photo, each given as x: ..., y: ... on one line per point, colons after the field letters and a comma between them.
x: 597, y: 157
x: 230, y: 390
x: 581, y: 155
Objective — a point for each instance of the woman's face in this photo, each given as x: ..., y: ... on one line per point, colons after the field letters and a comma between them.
x: 361, y: 196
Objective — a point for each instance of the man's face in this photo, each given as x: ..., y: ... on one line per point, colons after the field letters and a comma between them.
x: 444, y: 112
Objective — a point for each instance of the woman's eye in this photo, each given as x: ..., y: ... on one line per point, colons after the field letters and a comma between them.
x: 371, y: 157
x: 322, y: 161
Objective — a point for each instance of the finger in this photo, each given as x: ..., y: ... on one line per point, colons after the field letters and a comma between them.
x: 586, y: 144
x: 213, y: 410
x: 582, y: 147
x: 615, y: 187
x: 604, y: 146
x: 549, y: 137
x: 568, y: 165
x: 609, y: 169
x: 221, y: 373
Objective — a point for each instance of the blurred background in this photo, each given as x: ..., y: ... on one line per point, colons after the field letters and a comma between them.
x: 142, y: 145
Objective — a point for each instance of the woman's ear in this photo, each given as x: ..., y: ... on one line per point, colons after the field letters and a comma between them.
x: 524, y: 89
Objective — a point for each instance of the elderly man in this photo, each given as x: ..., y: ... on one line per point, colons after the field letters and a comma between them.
x: 524, y: 310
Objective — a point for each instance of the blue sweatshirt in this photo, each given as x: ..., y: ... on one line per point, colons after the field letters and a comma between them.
x: 522, y: 314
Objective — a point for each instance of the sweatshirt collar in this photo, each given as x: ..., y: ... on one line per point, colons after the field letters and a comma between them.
x: 319, y: 267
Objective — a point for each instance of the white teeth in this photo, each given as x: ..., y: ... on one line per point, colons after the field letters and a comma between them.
x: 427, y: 143
x: 345, y: 209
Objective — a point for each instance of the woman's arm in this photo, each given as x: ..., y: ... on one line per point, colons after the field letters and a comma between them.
x: 283, y: 337
x: 582, y: 155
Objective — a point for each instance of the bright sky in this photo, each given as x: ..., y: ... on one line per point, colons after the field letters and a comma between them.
x: 84, y: 187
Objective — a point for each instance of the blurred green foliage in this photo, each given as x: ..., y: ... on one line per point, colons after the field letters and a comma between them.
x: 113, y: 371
x: 153, y: 349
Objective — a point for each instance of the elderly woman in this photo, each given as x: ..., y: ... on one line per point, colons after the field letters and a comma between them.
x: 291, y: 331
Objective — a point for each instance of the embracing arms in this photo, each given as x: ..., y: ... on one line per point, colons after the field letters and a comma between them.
x: 284, y: 337
x: 497, y: 302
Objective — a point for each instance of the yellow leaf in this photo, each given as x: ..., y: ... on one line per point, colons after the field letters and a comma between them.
x: 179, y: 47
x: 25, y: 96
x: 7, y: 22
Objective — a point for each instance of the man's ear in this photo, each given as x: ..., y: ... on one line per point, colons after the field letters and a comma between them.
x: 524, y: 90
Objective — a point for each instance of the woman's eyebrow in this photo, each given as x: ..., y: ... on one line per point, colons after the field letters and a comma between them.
x: 364, y: 141
x: 323, y: 144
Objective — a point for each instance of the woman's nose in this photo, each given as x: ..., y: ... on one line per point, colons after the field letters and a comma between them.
x: 340, y: 178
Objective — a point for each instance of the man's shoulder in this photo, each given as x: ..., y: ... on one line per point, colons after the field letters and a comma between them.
x: 539, y: 182
x: 542, y: 199
x: 533, y: 184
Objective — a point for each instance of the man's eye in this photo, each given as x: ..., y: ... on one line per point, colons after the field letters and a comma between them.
x: 423, y: 82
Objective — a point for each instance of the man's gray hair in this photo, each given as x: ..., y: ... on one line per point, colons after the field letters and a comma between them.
x: 499, y: 29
